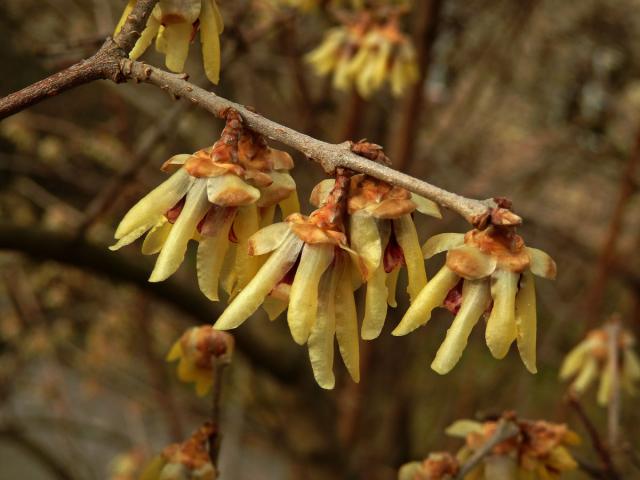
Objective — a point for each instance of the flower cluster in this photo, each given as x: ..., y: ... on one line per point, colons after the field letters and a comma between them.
x: 184, y: 461
x: 174, y: 24
x: 199, y: 350
x: 538, y: 449
x: 365, y: 53
x: 218, y: 196
x: 362, y: 232
x: 486, y: 272
x: 590, y: 360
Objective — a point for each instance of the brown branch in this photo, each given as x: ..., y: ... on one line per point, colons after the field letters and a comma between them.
x: 110, y: 62
x: 504, y: 431
x: 613, y: 420
x: 329, y: 156
x: 104, y: 64
x: 596, y: 442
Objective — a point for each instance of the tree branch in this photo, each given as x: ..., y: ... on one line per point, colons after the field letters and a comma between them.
x: 48, y: 245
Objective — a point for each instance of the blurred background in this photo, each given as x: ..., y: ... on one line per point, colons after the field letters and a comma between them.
x: 534, y: 100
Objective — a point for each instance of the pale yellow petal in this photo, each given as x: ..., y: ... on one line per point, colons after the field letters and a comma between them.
x: 462, y: 428
x: 289, y: 205
x: 441, y: 243
x: 172, y: 253
x: 588, y: 373
x: 321, y: 338
x: 161, y: 40
x: 631, y: 363
x: 267, y: 216
x: 210, y: 258
x: 542, y: 264
x: 407, y: 238
x: 375, y: 310
x: 175, y: 353
x: 365, y: 240
x: 252, y: 296
x: 178, y: 36
x: 229, y: 190
x: 274, y: 307
x: 426, y: 206
x: 575, y: 359
x: 154, y: 241
x: 347, y: 322
x: 244, y: 226
x: 303, y: 298
x: 500, y: 467
x: 202, y: 387
x: 268, y: 238
x: 321, y: 191
x: 283, y: 186
x: 526, y: 321
x: 210, y: 39
x: 429, y: 298
x: 147, y: 36
x: 501, y: 325
x: 604, y: 388
x: 475, y: 299
x: 152, y: 207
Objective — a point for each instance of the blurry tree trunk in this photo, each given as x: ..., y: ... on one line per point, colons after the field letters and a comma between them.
x: 353, y: 115
x: 425, y: 33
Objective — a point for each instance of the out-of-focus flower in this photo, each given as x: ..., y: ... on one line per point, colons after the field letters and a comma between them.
x: 382, y: 232
x: 184, y: 461
x: 174, y: 24
x: 199, y: 350
x: 437, y: 466
x: 590, y: 360
x: 126, y: 466
x: 486, y: 271
x: 306, y: 5
x: 538, y: 451
x: 308, y: 272
x: 365, y: 53
x: 219, y: 197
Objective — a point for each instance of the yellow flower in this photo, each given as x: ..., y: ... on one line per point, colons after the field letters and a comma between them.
x: 218, y: 196
x: 437, y: 466
x: 366, y: 53
x: 538, y: 451
x: 184, y: 461
x: 198, y: 350
x: 492, y: 265
x: 307, y: 273
x: 590, y: 360
x: 174, y: 23
x: 382, y: 233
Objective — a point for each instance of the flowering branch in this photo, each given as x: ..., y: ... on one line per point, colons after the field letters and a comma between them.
x: 111, y: 62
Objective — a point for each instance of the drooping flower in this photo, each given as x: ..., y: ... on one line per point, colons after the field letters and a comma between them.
x: 437, y: 466
x: 366, y: 52
x: 308, y: 273
x: 537, y: 451
x: 174, y: 24
x: 184, y: 461
x: 199, y: 350
x: 590, y: 361
x: 486, y: 271
x: 382, y: 232
x: 218, y: 196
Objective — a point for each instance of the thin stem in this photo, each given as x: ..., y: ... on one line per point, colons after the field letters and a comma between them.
x: 613, y: 420
x: 215, y: 438
x: 504, y: 431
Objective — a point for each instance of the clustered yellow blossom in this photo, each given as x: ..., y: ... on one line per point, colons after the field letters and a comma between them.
x: 365, y: 53
x: 538, y: 451
x: 590, y: 360
x: 318, y: 261
x: 174, y: 24
x: 218, y: 196
x: 126, y: 466
x: 486, y: 272
x: 184, y: 461
x: 199, y: 351
x: 437, y: 466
